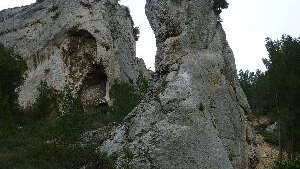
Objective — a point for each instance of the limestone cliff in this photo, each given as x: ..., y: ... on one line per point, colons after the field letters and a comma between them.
x: 83, y: 45
x: 194, y: 115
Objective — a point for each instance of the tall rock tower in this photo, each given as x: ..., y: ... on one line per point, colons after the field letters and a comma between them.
x: 194, y: 115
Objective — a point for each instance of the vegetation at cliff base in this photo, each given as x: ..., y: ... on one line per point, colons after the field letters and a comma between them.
x: 288, y: 164
x: 275, y: 93
x: 12, y: 68
x: 48, y: 134
x: 125, y: 97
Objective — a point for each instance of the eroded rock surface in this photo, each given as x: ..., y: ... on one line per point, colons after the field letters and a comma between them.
x: 83, y: 45
x: 194, y: 114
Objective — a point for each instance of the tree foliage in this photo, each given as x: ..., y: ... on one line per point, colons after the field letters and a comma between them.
x: 136, y: 33
x: 12, y: 69
x: 288, y: 164
x: 49, y: 133
x: 125, y: 97
x: 219, y: 5
x: 52, y: 129
x: 276, y: 92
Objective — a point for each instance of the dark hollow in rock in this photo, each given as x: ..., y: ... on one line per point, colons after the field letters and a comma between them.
x: 87, y: 78
x: 94, y: 89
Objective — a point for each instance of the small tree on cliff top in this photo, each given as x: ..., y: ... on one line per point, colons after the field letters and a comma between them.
x: 219, y: 5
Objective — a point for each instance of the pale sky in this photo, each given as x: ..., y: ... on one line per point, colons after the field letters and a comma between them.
x: 247, y: 23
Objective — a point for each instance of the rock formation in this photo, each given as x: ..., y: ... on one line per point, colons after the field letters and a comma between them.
x: 81, y: 45
x: 194, y: 114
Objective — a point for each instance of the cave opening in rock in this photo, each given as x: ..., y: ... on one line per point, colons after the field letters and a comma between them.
x: 88, y: 79
x: 81, y: 48
x: 83, y: 34
x: 94, y: 90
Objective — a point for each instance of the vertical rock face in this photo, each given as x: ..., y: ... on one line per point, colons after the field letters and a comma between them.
x: 84, y: 45
x: 194, y: 115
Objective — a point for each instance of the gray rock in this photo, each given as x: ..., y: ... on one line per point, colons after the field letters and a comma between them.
x: 251, y: 134
x: 78, y: 44
x: 260, y: 155
x: 193, y: 118
x: 171, y: 76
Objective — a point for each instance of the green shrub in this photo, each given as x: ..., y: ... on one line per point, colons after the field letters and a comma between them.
x: 6, y: 114
x: 45, y: 105
x: 219, y: 5
x: 289, y: 164
x: 48, y: 144
x: 136, y: 33
x: 41, y: 155
x: 71, y: 120
x: 125, y: 98
x: 142, y: 85
x: 270, y: 137
x: 12, y: 68
x: 47, y: 135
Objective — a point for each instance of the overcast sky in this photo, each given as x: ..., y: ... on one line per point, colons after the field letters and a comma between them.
x: 246, y: 22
